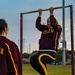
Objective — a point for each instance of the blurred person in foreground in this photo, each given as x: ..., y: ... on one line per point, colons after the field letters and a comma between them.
x: 10, y: 60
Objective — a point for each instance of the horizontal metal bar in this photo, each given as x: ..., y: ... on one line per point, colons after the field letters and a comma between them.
x: 45, y: 9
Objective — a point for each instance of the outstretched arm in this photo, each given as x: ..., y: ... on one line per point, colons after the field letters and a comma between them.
x: 39, y: 26
x: 53, y: 21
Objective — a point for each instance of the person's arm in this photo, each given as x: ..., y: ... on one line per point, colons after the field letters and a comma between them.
x: 17, y: 59
x: 39, y: 26
x: 54, y: 24
x: 53, y: 21
x: 14, y: 60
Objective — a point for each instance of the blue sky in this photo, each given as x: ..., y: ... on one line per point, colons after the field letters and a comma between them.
x: 11, y: 9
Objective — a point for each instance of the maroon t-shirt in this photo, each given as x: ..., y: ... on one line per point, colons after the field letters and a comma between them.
x: 10, y: 60
x: 49, y: 38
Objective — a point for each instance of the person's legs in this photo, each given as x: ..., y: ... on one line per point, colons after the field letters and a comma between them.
x: 36, y: 65
x: 38, y: 61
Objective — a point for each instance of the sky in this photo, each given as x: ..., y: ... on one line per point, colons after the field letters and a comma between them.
x: 10, y: 11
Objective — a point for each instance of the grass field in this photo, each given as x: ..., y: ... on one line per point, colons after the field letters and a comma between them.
x: 52, y: 70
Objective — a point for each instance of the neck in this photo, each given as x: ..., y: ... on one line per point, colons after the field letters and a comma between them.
x: 3, y: 35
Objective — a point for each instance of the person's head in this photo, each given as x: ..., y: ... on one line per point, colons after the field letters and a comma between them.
x: 48, y: 22
x: 3, y: 27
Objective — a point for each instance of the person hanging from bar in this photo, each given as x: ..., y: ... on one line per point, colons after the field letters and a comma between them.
x: 48, y: 43
x: 10, y: 60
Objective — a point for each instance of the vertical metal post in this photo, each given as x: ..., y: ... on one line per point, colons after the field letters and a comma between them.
x: 21, y: 33
x: 63, y: 42
x: 72, y: 38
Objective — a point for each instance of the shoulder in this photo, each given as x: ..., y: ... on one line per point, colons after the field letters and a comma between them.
x: 10, y: 42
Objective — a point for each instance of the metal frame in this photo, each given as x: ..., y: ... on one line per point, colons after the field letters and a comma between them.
x: 71, y: 30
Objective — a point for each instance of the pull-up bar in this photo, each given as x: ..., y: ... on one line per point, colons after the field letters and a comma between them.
x: 71, y: 30
x: 46, y: 9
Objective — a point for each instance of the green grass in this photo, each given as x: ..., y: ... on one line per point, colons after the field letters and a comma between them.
x: 52, y: 70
